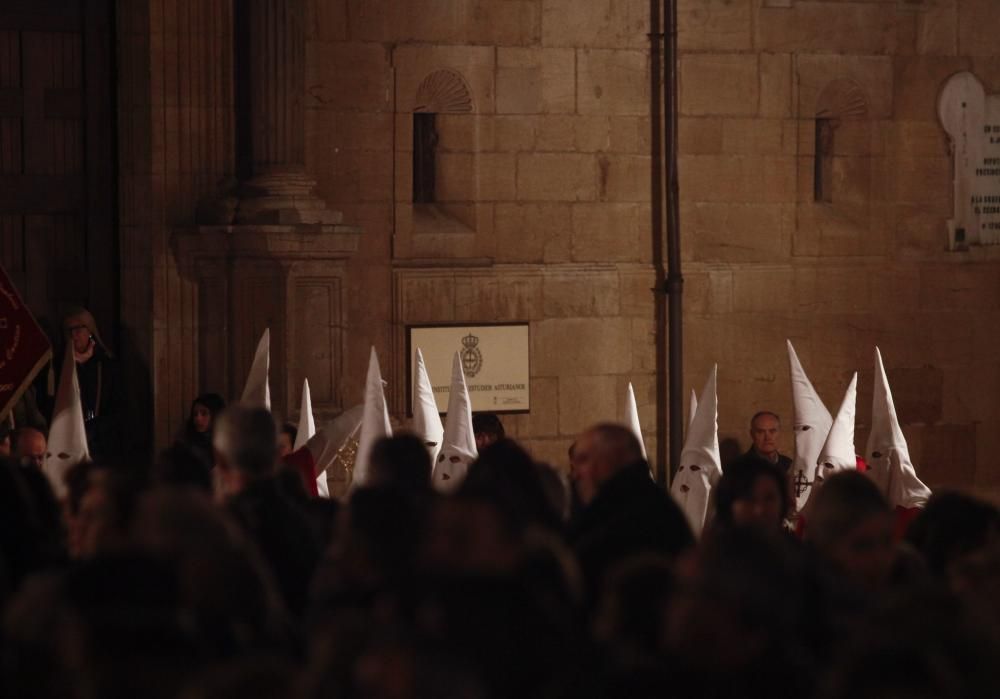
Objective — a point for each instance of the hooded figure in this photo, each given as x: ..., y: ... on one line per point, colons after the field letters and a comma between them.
x: 838, y: 453
x: 887, y: 453
x: 67, y: 443
x: 427, y: 424
x: 701, y: 464
x: 692, y: 407
x: 458, y: 447
x: 257, y: 392
x: 632, y: 417
x: 101, y: 393
x: 812, y: 424
x: 374, y: 421
x: 305, y: 432
x: 78, y: 317
x: 307, y: 423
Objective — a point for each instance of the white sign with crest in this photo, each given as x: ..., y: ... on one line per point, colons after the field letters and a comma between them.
x: 495, y: 359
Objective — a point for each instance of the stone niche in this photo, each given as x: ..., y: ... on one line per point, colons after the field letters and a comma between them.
x: 286, y: 278
x: 841, y: 198
x: 444, y: 102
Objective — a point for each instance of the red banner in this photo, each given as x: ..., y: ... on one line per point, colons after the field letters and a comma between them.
x: 24, y: 348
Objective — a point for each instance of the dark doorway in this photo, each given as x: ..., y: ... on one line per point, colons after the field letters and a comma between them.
x: 425, y: 140
x: 58, y: 161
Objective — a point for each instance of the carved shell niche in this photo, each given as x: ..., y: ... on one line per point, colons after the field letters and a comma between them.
x: 444, y: 92
x: 842, y: 99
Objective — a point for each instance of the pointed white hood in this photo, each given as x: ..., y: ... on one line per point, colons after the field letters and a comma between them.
x: 307, y: 423
x: 887, y: 453
x: 692, y: 408
x: 374, y: 421
x: 306, y: 430
x: 458, y: 447
x: 701, y: 464
x: 812, y: 423
x: 67, y: 443
x: 427, y: 425
x: 838, y: 453
x: 257, y: 392
x: 632, y: 417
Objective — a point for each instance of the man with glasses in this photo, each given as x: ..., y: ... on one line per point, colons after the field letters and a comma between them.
x: 100, y: 385
x: 30, y: 447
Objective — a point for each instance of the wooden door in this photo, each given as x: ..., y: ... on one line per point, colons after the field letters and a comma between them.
x: 57, y: 157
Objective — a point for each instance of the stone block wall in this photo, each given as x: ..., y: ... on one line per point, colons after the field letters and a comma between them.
x: 765, y: 261
x: 547, y: 182
x: 553, y: 165
x: 545, y: 210
x: 175, y: 146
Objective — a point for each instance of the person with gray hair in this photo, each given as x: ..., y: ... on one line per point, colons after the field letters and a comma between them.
x: 245, y: 444
x: 624, y: 511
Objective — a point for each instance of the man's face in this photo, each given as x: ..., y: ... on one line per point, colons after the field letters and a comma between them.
x: 80, y: 337
x: 764, y: 432
x: 31, y: 448
x: 589, y: 466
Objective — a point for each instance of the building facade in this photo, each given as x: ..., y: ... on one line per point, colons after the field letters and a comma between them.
x: 492, y: 160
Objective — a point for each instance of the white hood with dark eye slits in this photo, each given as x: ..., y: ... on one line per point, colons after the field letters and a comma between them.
x: 701, y: 464
x: 811, y: 424
x: 887, y: 453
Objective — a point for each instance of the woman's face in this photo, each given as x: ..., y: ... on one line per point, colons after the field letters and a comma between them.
x: 866, y: 552
x: 761, y: 507
x: 201, y: 418
x: 284, y: 444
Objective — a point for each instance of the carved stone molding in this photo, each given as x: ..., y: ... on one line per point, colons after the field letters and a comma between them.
x: 444, y: 92
x: 290, y: 279
x: 842, y: 99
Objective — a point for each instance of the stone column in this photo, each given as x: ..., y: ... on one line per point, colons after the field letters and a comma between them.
x: 269, y: 253
x: 279, y: 190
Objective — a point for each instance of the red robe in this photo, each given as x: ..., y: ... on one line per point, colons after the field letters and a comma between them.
x: 303, y: 462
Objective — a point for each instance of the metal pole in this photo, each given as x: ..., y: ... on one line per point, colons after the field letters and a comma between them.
x: 675, y: 281
x: 657, y: 210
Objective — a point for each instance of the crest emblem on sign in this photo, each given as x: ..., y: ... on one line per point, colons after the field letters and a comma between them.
x: 472, y: 357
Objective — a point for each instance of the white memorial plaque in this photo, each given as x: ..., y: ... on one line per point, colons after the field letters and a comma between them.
x: 972, y: 120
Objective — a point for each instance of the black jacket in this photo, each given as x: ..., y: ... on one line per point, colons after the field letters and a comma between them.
x: 784, y: 463
x: 102, y: 397
x: 101, y: 394
x: 630, y: 515
x: 282, y: 533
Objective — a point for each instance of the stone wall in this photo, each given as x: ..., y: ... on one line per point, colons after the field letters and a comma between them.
x: 176, y: 144
x: 546, y: 184
x: 545, y: 211
x: 765, y: 261
x: 554, y: 161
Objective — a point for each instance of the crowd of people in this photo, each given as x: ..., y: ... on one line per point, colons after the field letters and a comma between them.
x: 212, y: 573
x: 216, y: 572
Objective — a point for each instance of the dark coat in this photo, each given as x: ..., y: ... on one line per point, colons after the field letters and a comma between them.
x: 102, y: 397
x: 630, y: 515
x: 282, y: 533
x: 784, y: 463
